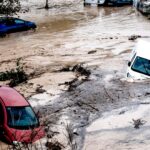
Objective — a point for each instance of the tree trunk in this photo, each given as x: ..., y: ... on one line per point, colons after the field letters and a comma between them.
x: 46, y: 5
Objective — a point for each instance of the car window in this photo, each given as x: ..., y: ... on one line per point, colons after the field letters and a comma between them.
x: 1, y: 114
x: 21, y: 117
x: 2, y: 20
x: 17, y: 21
x: 141, y: 65
x: 10, y: 22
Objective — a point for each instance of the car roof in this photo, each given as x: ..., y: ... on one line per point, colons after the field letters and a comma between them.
x: 143, y: 49
x: 11, y: 98
x: 5, y: 18
x: 8, y: 18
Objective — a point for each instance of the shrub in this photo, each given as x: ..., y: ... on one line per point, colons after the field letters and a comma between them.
x: 16, y: 76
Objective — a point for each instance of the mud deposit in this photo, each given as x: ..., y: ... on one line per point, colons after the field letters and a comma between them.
x: 98, y: 38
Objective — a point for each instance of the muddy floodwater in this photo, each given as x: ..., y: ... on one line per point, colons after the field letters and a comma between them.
x: 96, y: 37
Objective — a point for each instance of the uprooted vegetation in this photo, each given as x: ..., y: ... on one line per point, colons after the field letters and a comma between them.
x: 134, y: 37
x: 40, y: 89
x: 14, y: 76
x: 51, y: 141
x: 70, y: 136
x: 79, y: 71
x: 51, y: 144
x: 138, y: 122
x: 78, y: 68
x: 54, y: 145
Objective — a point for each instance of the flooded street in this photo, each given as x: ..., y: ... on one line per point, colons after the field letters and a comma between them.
x: 66, y: 38
x: 98, y: 38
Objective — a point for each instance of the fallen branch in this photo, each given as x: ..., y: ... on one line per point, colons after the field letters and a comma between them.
x: 82, y: 103
x: 137, y: 123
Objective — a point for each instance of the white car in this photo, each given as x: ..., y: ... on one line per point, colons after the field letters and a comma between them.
x: 97, y: 2
x: 139, y: 64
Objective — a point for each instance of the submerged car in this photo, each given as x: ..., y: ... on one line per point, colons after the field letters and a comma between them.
x: 18, y: 122
x: 139, y: 64
x: 120, y: 2
x: 109, y: 2
x: 95, y: 2
x: 144, y: 7
x: 10, y: 25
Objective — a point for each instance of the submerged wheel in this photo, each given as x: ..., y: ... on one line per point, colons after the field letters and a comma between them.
x: 3, y: 35
x: 33, y: 29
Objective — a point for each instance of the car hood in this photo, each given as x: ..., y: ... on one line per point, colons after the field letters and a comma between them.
x: 25, y: 136
x: 31, y: 23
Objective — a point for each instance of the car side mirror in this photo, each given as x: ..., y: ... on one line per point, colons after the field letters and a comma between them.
x: 129, y: 63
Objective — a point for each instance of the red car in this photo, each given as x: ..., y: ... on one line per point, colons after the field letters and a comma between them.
x: 18, y: 122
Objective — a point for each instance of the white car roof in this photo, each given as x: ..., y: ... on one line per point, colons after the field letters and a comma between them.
x: 143, y: 49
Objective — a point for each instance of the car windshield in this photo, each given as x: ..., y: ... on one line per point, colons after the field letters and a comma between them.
x: 141, y: 65
x: 18, y: 21
x: 21, y: 117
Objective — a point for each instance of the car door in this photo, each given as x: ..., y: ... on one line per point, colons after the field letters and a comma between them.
x: 1, y: 120
x: 15, y: 25
x: 10, y: 25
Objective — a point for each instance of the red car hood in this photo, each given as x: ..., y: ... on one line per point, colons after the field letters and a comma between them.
x: 25, y: 136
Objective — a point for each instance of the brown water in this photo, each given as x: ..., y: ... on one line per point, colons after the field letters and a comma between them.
x: 73, y: 29
x: 65, y: 36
